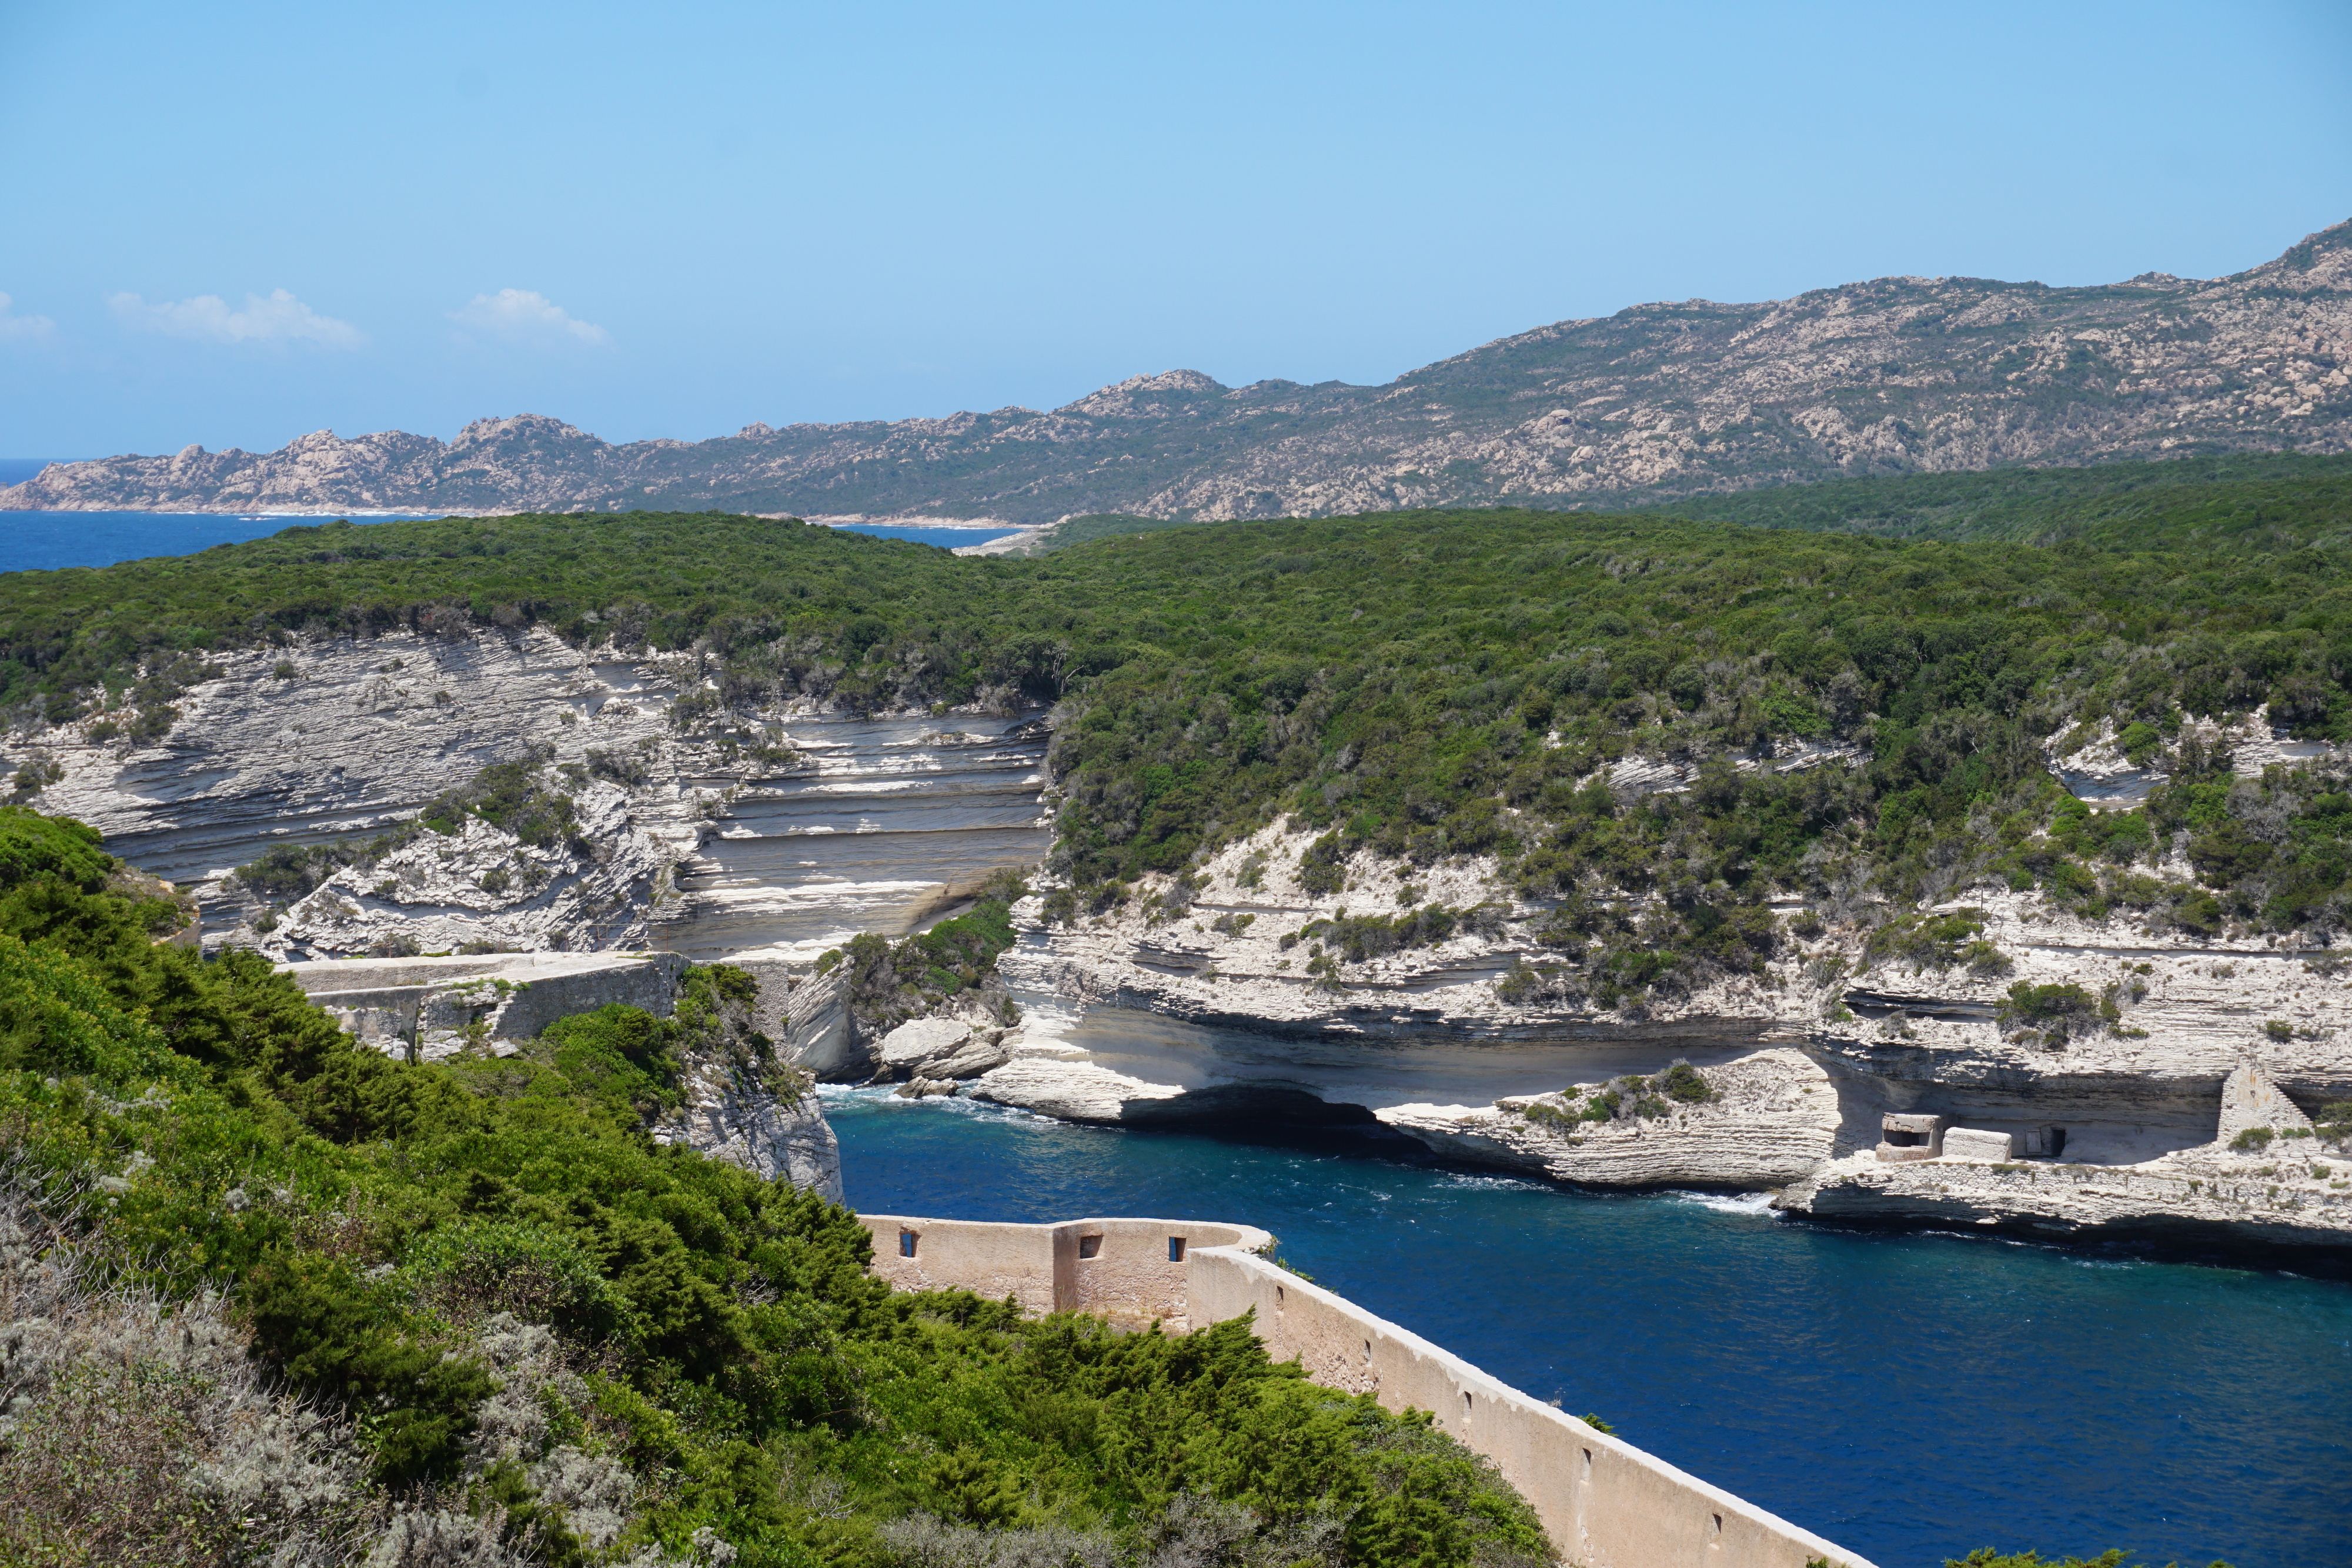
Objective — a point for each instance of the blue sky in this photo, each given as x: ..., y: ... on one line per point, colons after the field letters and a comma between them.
x: 233, y: 223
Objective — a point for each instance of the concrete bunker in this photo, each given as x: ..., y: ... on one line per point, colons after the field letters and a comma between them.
x: 1904, y: 1137
x: 1911, y: 1137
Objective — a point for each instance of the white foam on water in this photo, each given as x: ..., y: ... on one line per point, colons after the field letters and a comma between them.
x: 1491, y: 1182
x: 1756, y: 1203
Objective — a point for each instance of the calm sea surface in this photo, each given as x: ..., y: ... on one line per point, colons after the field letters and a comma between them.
x: 1911, y: 1397
x: 46, y: 541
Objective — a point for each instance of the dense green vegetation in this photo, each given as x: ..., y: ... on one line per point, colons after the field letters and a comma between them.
x: 533, y: 1333
x: 1436, y: 685
x: 1098, y: 526
x: 2197, y: 501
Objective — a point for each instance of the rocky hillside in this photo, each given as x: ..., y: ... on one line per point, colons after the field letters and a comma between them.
x: 1893, y: 376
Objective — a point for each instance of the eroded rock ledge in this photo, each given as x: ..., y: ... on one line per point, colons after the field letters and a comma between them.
x: 1188, y: 1005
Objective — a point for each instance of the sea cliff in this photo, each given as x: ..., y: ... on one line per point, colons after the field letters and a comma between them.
x: 1267, y: 983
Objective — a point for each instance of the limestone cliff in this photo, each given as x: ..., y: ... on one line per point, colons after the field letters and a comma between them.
x: 1217, y: 998
x: 1894, y: 375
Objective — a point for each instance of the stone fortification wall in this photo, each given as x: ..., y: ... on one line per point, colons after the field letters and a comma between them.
x: 1605, y: 1503
x: 507, y: 995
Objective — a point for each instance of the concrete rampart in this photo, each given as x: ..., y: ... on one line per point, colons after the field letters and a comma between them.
x: 1605, y: 1503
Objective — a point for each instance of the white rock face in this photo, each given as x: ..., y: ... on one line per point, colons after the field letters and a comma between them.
x: 484, y: 886
x: 1195, y: 1008
x: 918, y: 1040
x: 357, y: 734
x: 1774, y: 1119
x: 435, y: 1007
x: 728, y: 1116
x: 1072, y: 1091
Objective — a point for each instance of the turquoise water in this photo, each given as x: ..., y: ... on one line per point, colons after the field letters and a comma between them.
x: 946, y: 538
x: 1911, y: 1397
x: 48, y: 541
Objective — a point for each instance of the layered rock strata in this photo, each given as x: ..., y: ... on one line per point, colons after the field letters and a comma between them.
x: 1188, y: 1004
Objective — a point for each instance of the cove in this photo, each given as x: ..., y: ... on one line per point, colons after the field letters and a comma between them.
x: 1911, y: 1396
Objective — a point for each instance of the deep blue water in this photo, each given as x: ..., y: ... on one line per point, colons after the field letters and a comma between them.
x: 1910, y: 1396
x: 47, y: 542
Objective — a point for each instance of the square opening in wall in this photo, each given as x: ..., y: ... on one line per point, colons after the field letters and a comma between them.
x: 1090, y: 1246
x: 1175, y: 1250
x: 905, y: 1244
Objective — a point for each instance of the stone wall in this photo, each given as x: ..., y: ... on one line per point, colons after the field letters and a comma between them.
x: 512, y: 996
x: 1605, y: 1503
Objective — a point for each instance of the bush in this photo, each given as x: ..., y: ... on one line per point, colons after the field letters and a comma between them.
x: 32, y: 845
x: 2063, y: 1009
x: 1683, y: 1082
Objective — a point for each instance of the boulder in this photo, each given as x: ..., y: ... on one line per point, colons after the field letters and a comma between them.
x: 939, y: 1048
x: 908, y: 1047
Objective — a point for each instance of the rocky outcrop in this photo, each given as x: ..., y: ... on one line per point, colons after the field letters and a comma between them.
x: 731, y: 1114
x: 1188, y: 1003
x: 2190, y: 1197
x: 343, y: 738
x: 1770, y: 1118
x: 943, y: 1049
x: 1896, y: 375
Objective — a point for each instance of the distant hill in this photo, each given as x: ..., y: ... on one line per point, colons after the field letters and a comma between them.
x: 1898, y: 376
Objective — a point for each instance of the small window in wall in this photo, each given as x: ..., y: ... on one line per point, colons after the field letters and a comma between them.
x: 1175, y: 1250
x: 2057, y: 1142
x: 1719, y: 1523
x: 1588, y: 1463
x: 1465, y: 1403
x: 1090, y: 1246
x: 905, y: 1244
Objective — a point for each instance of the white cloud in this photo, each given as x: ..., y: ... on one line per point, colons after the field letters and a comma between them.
x: 526, y: 315
x: 279, y: 318
x: 22, y: 328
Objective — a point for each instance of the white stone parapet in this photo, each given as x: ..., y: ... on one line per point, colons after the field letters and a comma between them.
x: 1604, y: 1502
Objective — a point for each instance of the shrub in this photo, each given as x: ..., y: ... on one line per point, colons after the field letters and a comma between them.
x: 1683, y: 1082
x: 2062, y: 1009
x: 2253, y: 1139
x: 1319, y: 873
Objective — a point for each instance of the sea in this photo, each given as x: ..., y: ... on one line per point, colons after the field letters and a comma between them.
x: 1911, y: 1396
x: 49, y: 541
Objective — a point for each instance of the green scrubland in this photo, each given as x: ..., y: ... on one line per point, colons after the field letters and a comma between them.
x: 1433, y: 684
